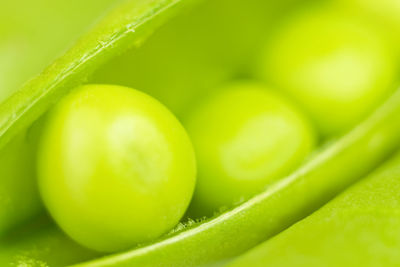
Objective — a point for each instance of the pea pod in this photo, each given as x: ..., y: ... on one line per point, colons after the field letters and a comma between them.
x: 280, y: 205
x: 252, y: 222
x: 124, y: 27
x: 28, y: 42
x: 186, y: 59
x: 358, y: 228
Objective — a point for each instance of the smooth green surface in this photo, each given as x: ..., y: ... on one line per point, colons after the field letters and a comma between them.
x: 282, y: 204
x: 34, y: 33
x: 336, y: 67
x: 115, y: 167
x: 192, y: 51
x: 123, y: 28
x: 19, y: 197
x: 246, y: 137
x: 199, y: 39
x: 197, y: 52
x: 358, y: 228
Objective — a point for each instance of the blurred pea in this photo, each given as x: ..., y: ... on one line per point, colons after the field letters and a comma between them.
x: 246, y: 136
x: 336, y: 67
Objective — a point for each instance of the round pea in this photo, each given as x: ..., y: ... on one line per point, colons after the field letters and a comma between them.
x: 115, y: 167
x: 245, y: 137
x: 338, y: 69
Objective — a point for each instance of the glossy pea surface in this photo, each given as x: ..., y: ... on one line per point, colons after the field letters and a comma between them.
x: 245, y: 137
x: 116, y: 168
x: 336, y: 67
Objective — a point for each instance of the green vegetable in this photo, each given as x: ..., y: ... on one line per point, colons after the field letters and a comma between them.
x: 154, y: 66
x: 125, y: 27
x: 32, y: 34
x: 359, y: 228
x: 178, y: 57
x: 245, y: 138
x: 335, y: 67
x: 115, y: 167
x: 166, y: 71
x: 280, y: 205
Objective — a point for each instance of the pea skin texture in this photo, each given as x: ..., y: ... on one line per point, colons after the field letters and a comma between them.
x: 245, y: 137
x: 115, y: 167
x: 336, y: 67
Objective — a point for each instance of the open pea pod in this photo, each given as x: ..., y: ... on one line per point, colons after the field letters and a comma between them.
x: 331, y: 170
x: 124, y: 27
x: 188, y: 52
x: 28, y: 43
x: 166, y: 67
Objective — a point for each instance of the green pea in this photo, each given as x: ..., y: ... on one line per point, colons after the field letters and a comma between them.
x: 245, y: 137
x: 115, y: 167
x: 338, y: 69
